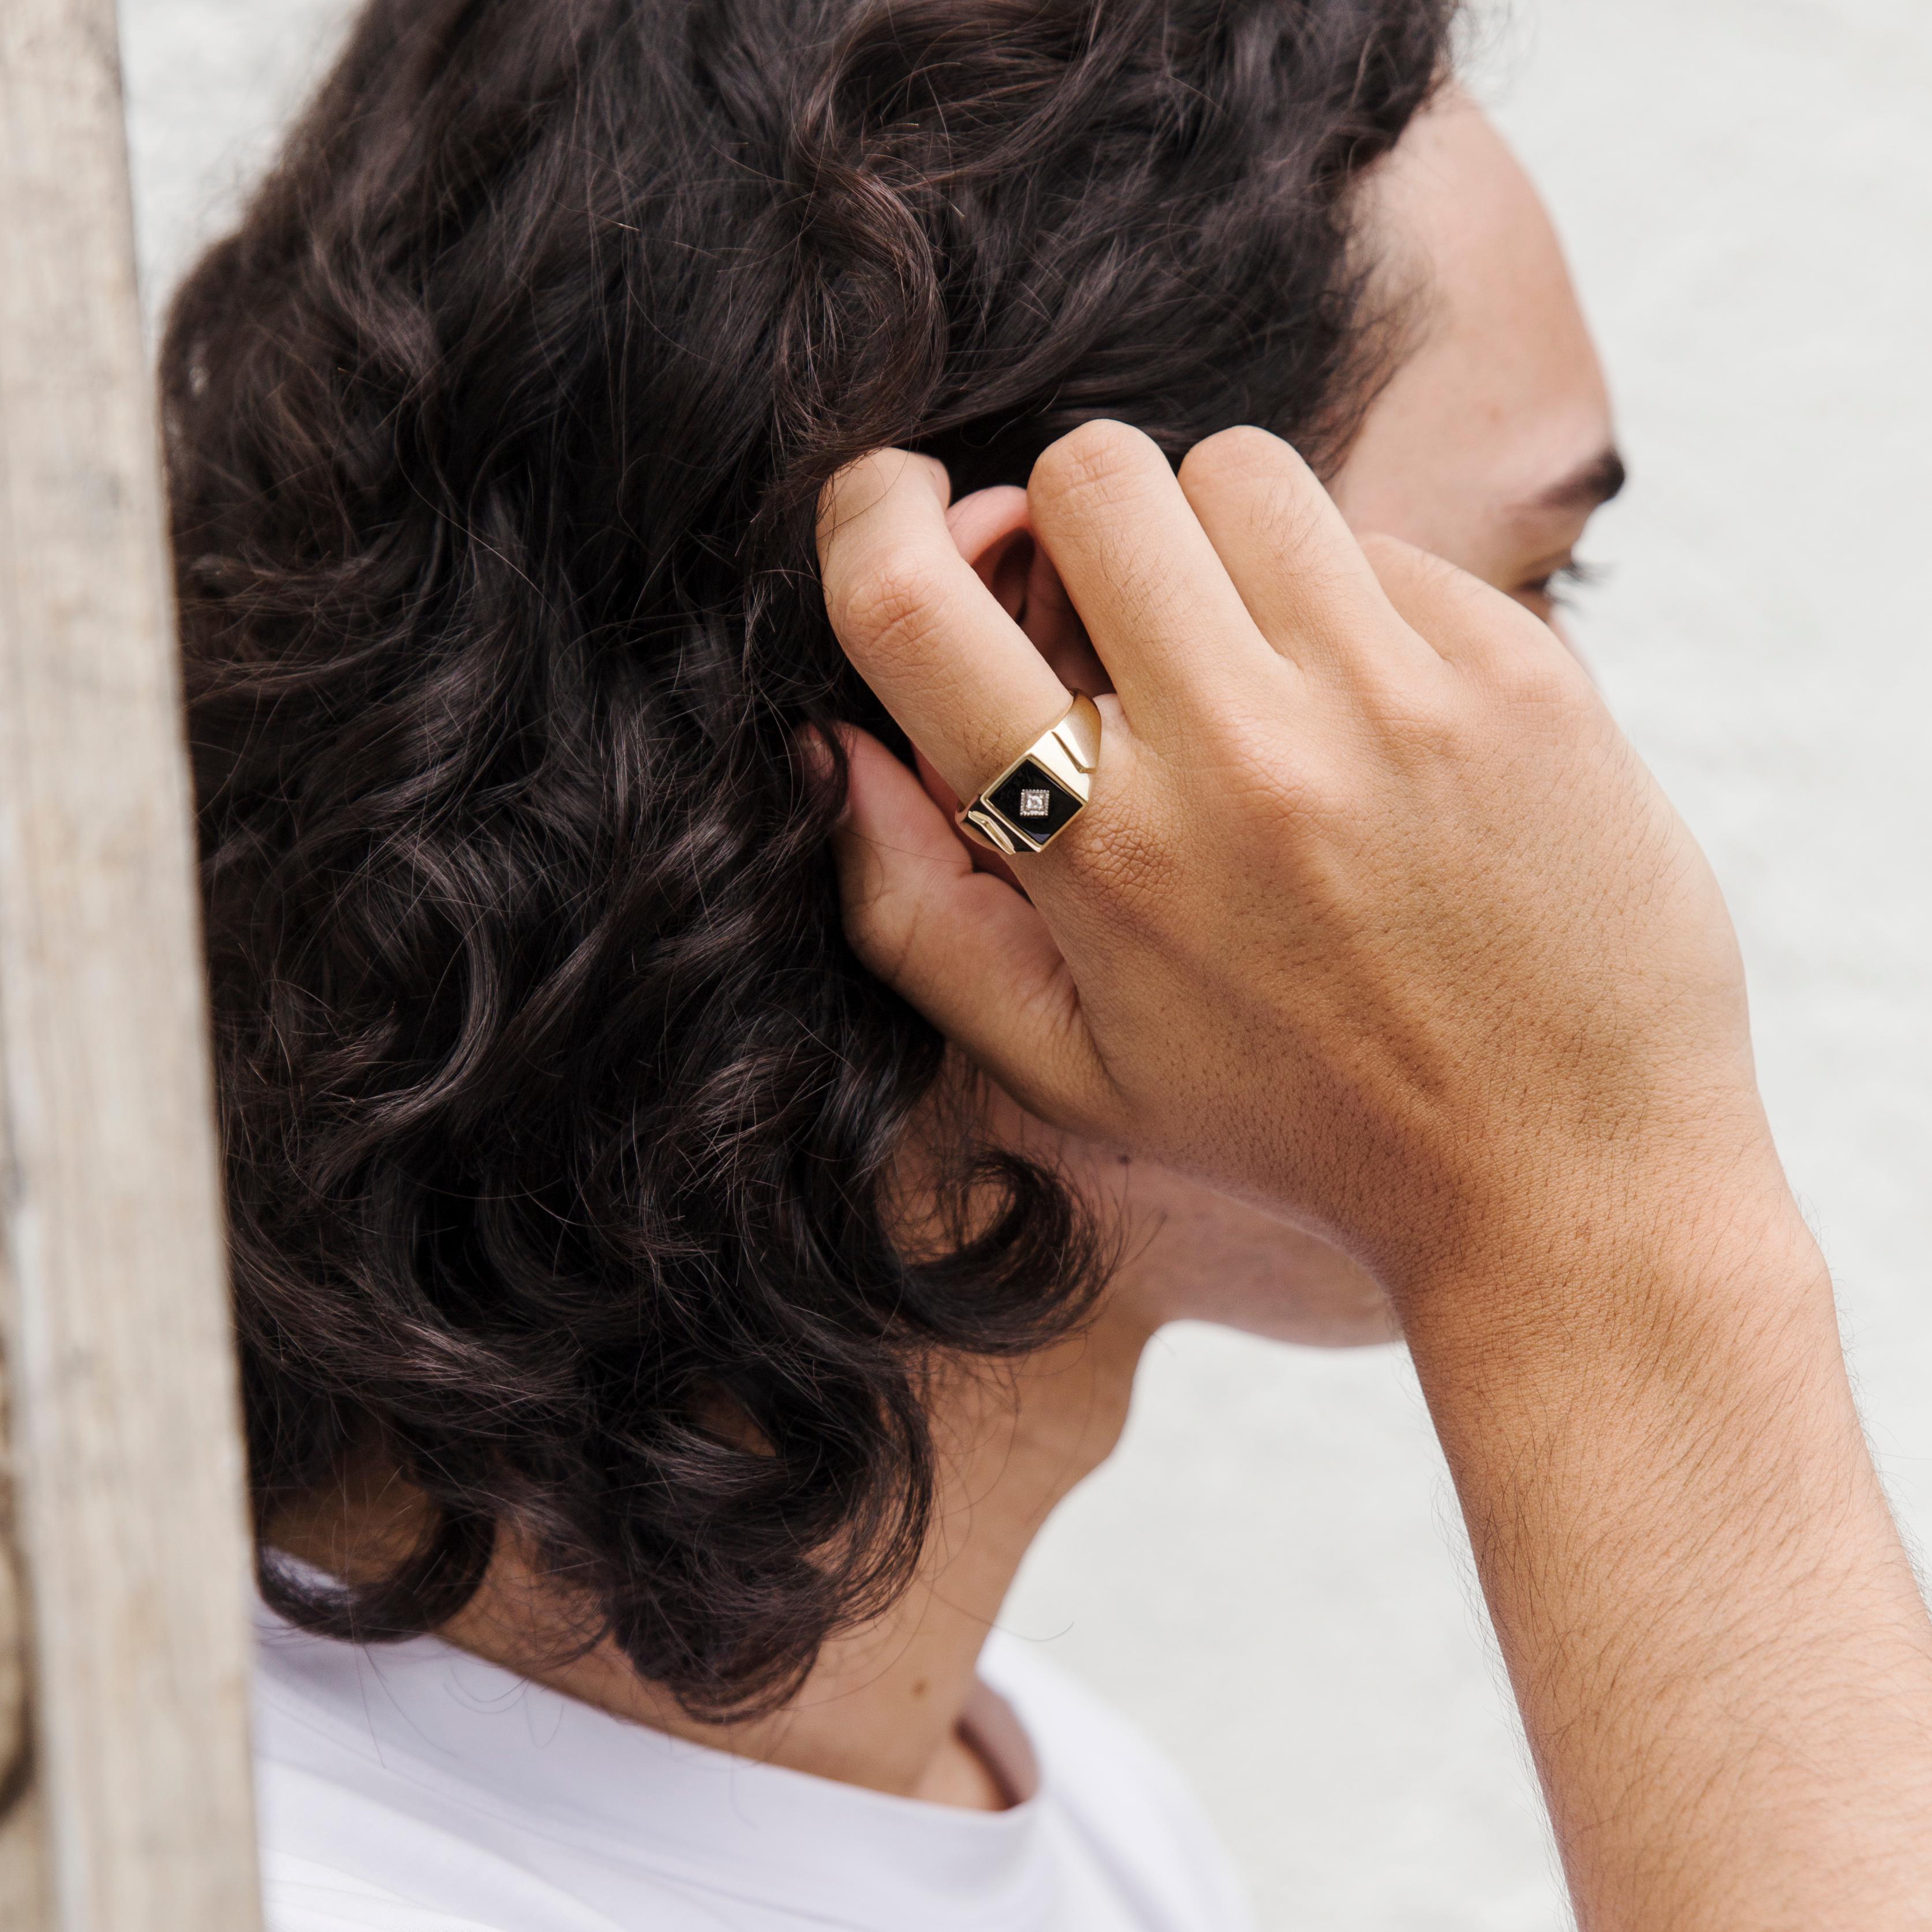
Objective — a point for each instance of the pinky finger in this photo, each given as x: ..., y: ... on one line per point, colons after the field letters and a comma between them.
x: 1470, y: 623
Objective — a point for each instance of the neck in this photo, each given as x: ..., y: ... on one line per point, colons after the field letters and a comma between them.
x: 882, y: 1706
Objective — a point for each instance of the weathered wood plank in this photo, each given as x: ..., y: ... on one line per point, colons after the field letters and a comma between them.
x: 125, y: 1449
x: 23, y: 1899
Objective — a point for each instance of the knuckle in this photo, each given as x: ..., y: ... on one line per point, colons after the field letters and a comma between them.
x: 1511, y: 654
x: 1385, y: 551
x: 1295, y: 529
x: 1417, y: 733
x: 1241, y: 453
x: 1115, y: 851
x: 1121, y: 860
x: 889, y: 607
x: 1531, y: 676
x: 1416, y: 577
x: 1410, y: 714
x: 1235, y: 746
x: 1281, y: 801
x: 1291, y: 811
x: 1529, y: 665
x: 1255, y: 483
x: 1101, y: 458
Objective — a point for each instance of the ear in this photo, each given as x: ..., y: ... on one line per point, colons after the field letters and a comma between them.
x: 995, y: 536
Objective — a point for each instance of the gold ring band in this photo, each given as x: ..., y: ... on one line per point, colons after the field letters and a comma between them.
x: 1043, y: 791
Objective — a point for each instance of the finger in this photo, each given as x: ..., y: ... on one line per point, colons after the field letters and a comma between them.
x: 1297, y: 565
x: 1469, y: 622
x: 1167, y: 621
x: 953, y: 669
x: 970, y: 952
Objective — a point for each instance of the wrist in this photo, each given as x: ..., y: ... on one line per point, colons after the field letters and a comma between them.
x: 1612, y: 1250
x: 1714, y: 1636
x: 1623, y: 1313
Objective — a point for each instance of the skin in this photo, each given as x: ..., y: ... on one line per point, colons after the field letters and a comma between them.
x: 1491, y: 446
x: 1377, y: 924
x: 1375, y: 918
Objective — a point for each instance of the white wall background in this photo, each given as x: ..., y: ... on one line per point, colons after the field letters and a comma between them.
x: 1270, y: 1575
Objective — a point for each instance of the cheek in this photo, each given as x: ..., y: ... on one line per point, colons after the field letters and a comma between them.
x: 1444, y: 514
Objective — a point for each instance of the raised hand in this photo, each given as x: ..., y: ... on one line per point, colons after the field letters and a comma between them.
x: 1374, y: 915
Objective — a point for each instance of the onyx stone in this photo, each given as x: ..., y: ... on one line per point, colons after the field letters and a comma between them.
x: 1034, y: 800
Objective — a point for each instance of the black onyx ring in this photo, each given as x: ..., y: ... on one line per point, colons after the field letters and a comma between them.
x: 1043, y: 791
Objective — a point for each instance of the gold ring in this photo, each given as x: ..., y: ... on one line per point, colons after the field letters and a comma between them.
x: 1043, y: 791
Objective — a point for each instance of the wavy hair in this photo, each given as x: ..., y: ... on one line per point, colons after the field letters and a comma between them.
x: 560, y: 1119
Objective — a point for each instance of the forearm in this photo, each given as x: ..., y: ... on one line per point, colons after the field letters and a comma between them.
x: 1372, y: 915
x: 1724, y: 1665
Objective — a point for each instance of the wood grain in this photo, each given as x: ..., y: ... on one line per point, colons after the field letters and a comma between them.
x: 23, y: 1865
x: 125, y: 1448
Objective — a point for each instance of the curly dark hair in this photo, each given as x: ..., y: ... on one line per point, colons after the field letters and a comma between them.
x: 557, y: 1112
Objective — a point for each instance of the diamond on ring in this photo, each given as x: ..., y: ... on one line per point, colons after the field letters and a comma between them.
x: 1043, y: 791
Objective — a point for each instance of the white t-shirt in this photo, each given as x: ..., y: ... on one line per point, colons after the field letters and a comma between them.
x: 413, y: 1788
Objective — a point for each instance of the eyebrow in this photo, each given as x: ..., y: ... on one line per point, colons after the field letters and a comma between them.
x: 1587, y: 486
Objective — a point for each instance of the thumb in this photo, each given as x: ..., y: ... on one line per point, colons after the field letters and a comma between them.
x: 962, y: 946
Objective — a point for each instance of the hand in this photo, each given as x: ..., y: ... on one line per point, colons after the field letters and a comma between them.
x: 1186, y: 1251
x: 1374, y: 915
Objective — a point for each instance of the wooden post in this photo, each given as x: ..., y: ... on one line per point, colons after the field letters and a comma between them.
x: 130, y: 1809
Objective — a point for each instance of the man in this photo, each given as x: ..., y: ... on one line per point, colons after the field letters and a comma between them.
x: 1357, y: 918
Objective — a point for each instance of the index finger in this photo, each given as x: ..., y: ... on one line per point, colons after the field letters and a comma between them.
x: 961, y: 678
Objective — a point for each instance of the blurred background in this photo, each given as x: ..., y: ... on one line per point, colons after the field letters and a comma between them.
x: 1271, y: 1576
